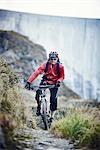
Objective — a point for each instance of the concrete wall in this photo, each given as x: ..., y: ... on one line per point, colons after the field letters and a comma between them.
x: 76, y: 40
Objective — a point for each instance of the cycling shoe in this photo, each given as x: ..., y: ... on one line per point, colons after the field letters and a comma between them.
x: 51, y: 119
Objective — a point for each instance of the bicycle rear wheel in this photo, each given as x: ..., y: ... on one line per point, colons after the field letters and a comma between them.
x: 44, y: 114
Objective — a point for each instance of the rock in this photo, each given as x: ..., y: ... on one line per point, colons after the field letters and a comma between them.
x: 20, y: 53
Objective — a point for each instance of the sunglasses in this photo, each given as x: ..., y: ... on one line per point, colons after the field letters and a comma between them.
x: 53, y: 58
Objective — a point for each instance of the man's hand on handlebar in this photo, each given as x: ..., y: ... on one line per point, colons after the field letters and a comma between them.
x: 27, y: 86
x: 58, y: 84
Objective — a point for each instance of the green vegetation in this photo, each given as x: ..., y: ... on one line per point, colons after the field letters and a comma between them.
x: 13, y: 110
x: 10, y: 99
x: 83, y: 127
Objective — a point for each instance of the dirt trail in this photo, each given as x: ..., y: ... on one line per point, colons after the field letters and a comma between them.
x: 42, y: 140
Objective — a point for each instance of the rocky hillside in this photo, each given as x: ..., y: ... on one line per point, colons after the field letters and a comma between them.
x: 24, y: 57
x: 20, y: 53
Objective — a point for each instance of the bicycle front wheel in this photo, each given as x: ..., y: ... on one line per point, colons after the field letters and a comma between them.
x: 44, y: 114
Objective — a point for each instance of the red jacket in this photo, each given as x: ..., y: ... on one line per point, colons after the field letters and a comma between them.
x: 50, y: 74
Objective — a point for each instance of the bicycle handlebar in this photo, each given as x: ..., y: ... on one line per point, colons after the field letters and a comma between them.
x: 42, y: 87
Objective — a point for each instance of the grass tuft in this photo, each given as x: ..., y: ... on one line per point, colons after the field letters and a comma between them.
x: 81, y: 127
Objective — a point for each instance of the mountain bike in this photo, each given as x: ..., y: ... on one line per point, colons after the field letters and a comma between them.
x: 43, y: 104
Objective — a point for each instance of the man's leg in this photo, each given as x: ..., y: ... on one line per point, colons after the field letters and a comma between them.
x: 53, y: 100
x: 37, y: 97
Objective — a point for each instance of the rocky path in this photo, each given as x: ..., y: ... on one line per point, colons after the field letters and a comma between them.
x: 39, y: 139
x: 42, y: 140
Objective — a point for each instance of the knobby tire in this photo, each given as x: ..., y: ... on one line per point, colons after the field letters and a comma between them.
x: 44, y: 114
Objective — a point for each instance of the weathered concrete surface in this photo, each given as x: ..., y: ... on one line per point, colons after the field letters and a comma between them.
x: 77, y: 40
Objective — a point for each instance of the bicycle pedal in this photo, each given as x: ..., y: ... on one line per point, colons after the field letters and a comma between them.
x: 48, y: 115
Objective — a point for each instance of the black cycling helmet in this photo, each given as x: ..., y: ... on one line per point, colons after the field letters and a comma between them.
x: 53, y: 55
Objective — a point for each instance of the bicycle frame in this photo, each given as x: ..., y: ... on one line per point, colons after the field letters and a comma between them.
x: 43, y: 110
x: 43, y: 103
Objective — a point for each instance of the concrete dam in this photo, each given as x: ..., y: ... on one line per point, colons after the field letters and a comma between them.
x: 77, y: 41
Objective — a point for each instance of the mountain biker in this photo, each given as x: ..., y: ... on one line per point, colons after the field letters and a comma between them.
x: 50, y: 77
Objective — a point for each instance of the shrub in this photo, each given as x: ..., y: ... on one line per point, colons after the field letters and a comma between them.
x: 13, y: 110
x: 80, y: 127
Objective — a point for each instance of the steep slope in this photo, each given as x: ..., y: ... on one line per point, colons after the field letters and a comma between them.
x: 20, y: 53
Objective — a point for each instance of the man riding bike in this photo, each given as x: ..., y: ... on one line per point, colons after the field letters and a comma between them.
x: 53, y: 74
